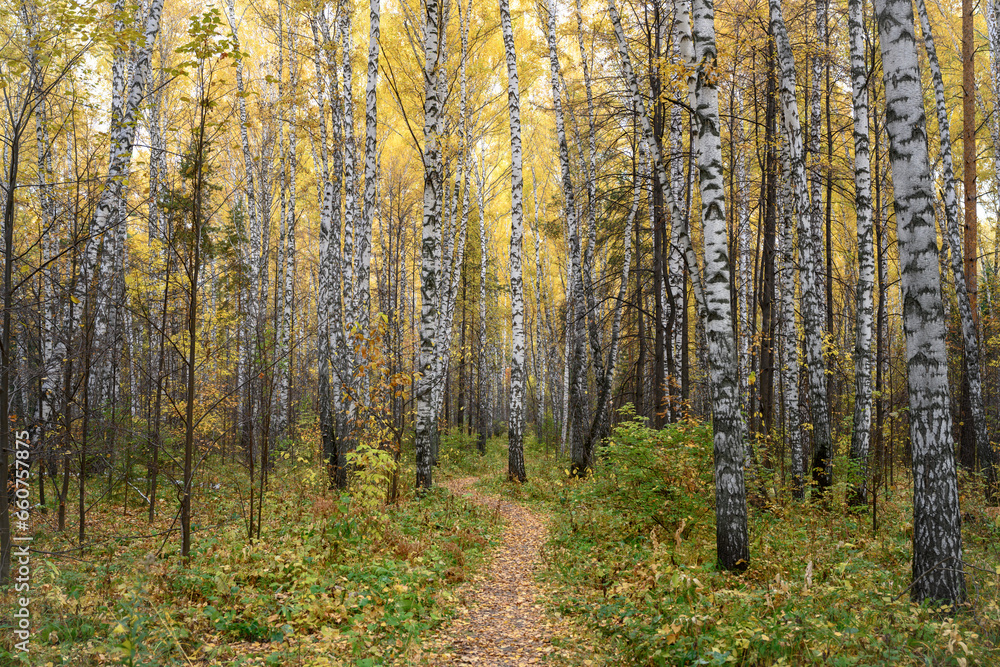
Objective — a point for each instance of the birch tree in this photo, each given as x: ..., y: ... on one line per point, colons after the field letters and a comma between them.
x: 430, y: 241
x: 482, y: 411
x: 814, y: 161
x: 541, y: 347
x: 51, y: 349
x: 605, y: 369
x: 515, y: 433
x: 252, y: 253
x: 732, y: 537
x: 937, y: 531
x: 808, y: 257
x: 790, y: 336
x: 581, y: 452
x: 731, y: 534
x: 99, y: 254
x: 866, y: 254
x: 992, y: 13
x: 371, y: 168
x: 283, y: 351
x: 325, y: 279
x: 970, y: 328
x: 332, y: 209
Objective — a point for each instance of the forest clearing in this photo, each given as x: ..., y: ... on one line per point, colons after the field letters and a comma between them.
x: 453, y: 332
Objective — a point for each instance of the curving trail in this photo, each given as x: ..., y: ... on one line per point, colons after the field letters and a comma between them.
x: 502, y: 620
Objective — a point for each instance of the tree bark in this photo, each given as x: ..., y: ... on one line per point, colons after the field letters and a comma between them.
x: 582, y: 454
x: 789, y: 332
x: 975, y: 439
x: 808, y: 260
x: 731, y: 535
x: 937, y: 535
x: 860, y: 437
x: 364, y: 236
x: 481, y: 410
x: 515, y: 434
x: 430, y: 241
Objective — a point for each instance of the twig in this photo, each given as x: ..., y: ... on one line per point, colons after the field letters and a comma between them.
x: 928, y: 571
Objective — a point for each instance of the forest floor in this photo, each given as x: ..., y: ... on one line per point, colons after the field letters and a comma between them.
x: 630, y: 555
x: 446, y: 577
x: 615, y: 569
x: 503, y: 619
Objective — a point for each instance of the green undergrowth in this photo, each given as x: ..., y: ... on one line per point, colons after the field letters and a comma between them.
x: 632, y: 554
x: 459, y: 457
x: 327, y: 583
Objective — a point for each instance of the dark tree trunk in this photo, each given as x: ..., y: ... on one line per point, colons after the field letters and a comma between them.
x: 767, y: 293
x: 640, y: 366
x: 461, y: 419
x: 828, y: 172
x: 659, y: 232
x: 971, y: 251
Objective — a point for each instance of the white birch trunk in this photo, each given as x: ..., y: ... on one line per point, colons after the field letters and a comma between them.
x: 283, y: 269
x: 582, y: 453
x: 970, y: 330
x: 808, y: 258
x: 789, y: 330
x: 539, y: 349
x: 861, y: 434
x: 371, y: 170
x: 52, y: 353
x: 937, y: 533
x: 622, y: 292
x: 745, y: 252
x: 515, y: 433
x: 590, y: 157
x: 732, y: 537
x: 350, y: 175
x: 123, y: 139
x: 250, y: 190
x: 679, y: 221
x: 482, y: 409
x: 450, y: 278
x: 731, y: 528
x: 325, y: 284
x: 340, y: 366
x: 814, y: 163
x: 992, y: 12
x: 431, y: 239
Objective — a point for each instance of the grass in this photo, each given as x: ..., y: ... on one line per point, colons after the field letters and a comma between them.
x: 632, y: 555
x: 328, y: 583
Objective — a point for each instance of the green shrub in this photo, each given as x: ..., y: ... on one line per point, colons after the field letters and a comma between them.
x: 632, y: 553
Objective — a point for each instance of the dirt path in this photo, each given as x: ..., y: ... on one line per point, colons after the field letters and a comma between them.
x: 503, y: 620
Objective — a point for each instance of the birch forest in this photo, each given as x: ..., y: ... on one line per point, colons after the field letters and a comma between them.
x: 432, y: 332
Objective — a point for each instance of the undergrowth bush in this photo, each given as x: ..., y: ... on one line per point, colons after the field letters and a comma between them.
x: 632, y: 553
x: 320, y: 588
